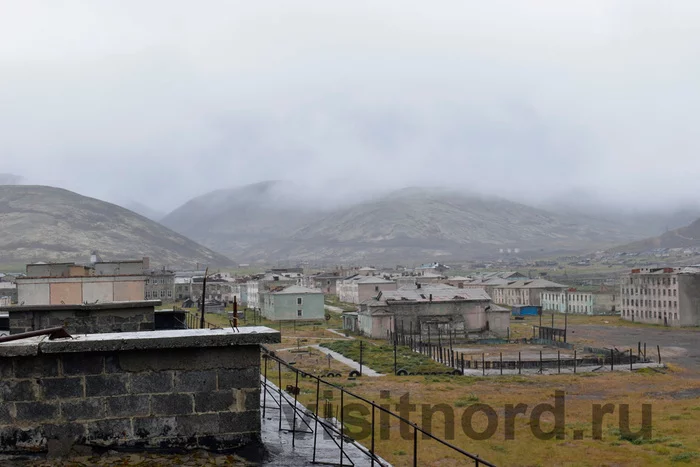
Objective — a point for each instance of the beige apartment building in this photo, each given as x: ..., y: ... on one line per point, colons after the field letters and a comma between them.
x: 666, y: 296
x: 72, y: 284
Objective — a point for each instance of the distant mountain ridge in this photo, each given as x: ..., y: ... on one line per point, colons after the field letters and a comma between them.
x: 41, y: 223
x: 684, y: 237
x: 259, y: 223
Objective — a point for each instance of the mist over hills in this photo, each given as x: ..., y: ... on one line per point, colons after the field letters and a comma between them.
x: 41, y: 223
x: 683, y: 237
x: 269, y: 221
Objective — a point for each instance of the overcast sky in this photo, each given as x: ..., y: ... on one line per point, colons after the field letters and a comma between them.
x: 158, y: 101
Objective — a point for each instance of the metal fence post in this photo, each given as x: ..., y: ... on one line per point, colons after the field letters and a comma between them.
x: 612, y: 360
x: 360, y: 358
x: 574, y: 360
x: 630, y: 359
x: 415, y: 446
x: 294, y: 415
x: 318, y: 410
x: 501, y: 364
x: 371, y: 449
x: 342, y: 426
x: 483, y: 364
x: 559, y: 361
x: 520, y: 364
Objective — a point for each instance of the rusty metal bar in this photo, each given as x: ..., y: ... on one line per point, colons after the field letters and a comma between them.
x: 53, y: 333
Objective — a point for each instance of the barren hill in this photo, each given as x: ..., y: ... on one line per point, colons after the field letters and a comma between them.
x: 684, y: 237
x: 258, y: 223
x: 41, y: 223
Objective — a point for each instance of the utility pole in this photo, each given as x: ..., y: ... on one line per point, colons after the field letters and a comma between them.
x: 204, y: 291
x: 566, y: 312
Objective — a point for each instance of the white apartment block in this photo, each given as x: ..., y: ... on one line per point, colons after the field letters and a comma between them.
x: 666, y: 296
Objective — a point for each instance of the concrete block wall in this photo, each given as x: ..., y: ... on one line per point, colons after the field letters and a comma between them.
x: 83, y: 319
x: 190, y: 397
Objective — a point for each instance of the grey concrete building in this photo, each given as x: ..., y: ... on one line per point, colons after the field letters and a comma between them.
x: 160, y: 285
x: 666, y: 296
x: 434, y: 308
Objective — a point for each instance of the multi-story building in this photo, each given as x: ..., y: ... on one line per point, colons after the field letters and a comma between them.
x: 357, y: 289
x: 667, y: 296
x: 268, y: 282
x: 70, y: 283
x: 293, y: 303
x: 523, y: 292
x: 578, y: 302
x: 325, y: 282
x: 160, y: 285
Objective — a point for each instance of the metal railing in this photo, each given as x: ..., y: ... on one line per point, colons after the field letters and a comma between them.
x: 335, y: 426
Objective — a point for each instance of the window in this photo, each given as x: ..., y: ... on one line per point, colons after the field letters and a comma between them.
x: 162, y: 294
x: 674, y: 292
x: 674, y: 281
x: 299, y: 313
x: 170, y: 293
x: 147, y: 295
x: 300, y: 300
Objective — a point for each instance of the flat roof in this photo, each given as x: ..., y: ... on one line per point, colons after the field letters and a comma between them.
x: 144, y: 340
x: 83, y: 306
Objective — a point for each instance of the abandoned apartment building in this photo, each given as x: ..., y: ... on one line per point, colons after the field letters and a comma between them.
x: 429, y: 309
x: 669, y: 296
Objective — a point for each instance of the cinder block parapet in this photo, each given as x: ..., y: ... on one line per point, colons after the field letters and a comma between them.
x: 159, y: 390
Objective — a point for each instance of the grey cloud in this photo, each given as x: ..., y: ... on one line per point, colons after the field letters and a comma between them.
x: 160, y: 101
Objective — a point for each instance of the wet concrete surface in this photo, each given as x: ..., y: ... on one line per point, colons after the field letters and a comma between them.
x: 288, y: 452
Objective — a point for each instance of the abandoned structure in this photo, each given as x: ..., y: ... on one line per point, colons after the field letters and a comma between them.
x: 359, y: 288
x: 523, y: 292
x: 293, y: 303
x: 160, y: 284
x: 430, y: 309
x: 576, y: 302
x: 667, y: 296
x: 84, y: 318
x: 70, y: 283
x: 191, y: 389
x: 325, y: 282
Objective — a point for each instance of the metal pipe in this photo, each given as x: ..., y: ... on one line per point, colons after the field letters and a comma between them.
x: 53, y: 333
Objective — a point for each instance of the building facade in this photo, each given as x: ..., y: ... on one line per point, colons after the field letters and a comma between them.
x: 666, y: 296
x: 160, y: 285
x: 293, y: 303
x: 578, y: 302
x: 71, y: 284
x: 432, y: 310
x: 357, y: 289
x: 527, y: 292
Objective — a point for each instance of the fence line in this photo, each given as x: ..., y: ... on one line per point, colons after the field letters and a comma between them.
x: 285, y: 399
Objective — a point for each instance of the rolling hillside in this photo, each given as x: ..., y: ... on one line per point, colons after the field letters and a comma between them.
x: 41, y: 223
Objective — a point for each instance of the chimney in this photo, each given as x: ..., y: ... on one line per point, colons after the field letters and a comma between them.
x: 418, y: 285
x: 146, y: 262
x: 431, y: 298
x: 460, y: 285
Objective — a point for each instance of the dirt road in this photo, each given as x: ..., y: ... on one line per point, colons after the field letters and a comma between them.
x: 680, y: 346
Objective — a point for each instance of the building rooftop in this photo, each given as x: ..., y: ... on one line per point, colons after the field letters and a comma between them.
x: 297, y: 289
x: 438, y: 293
x: 84, y: 306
